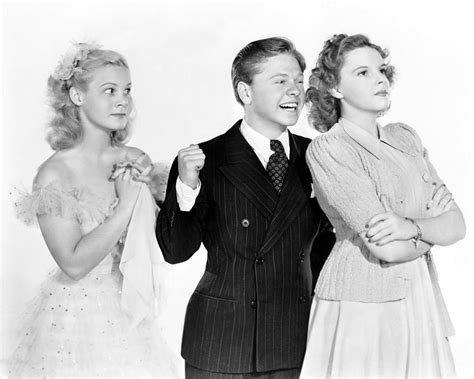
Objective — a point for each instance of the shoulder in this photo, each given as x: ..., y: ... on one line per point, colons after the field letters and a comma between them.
x: 333, y: 145
x: 213, y: 143
x: 405, y: 136
x: 54, y: 169
x: 300, y: 141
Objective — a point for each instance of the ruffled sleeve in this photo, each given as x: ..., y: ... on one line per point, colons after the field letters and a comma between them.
x: 45, y: 200
x: 342, y: 185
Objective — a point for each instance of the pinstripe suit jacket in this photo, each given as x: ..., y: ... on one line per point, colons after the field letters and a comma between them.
x: 250, y: 310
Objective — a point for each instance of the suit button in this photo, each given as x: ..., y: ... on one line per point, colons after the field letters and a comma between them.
x: 426, y: 177
x: 253, y: 304
x: 302, y: 257
x: 259, y: 260
x: 245, y: 223
x: 302, y: 299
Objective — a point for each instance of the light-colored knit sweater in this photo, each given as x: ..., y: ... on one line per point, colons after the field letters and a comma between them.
x: 352, y: 171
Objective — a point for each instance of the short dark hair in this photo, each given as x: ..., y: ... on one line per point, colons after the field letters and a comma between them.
x: 245, y: 63
x: 324, y: 109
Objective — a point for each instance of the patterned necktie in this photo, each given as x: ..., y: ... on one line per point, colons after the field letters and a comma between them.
x: 277, y: 164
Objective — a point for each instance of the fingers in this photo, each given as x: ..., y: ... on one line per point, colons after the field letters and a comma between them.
x: 385, y: 240
x: 191, y: 157
x: 438, y: 193
x: 142, y: 178
x: 386, y: 231
x: 445, y: 199
x: 448, y: 205
x: 117, y: 172
x: 376, y: 228
x: 136, y: 171
x: 147, y: 169
x: 190, y: 161
x: 377, y: 218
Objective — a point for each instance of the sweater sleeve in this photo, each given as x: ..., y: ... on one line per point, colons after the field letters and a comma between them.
x: 343, y: 187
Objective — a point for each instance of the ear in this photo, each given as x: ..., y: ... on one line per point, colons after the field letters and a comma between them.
x: 245, y: 93
x: 76, y: 96
x: 335, y: 93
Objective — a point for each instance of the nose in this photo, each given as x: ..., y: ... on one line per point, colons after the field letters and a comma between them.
x: 294, y: 89
x: 122, y: 100
x: 381, y: 78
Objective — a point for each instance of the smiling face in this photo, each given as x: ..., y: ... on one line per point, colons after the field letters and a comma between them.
x: 275, y: 98
x: 107, y: 102
x: 363, y: 85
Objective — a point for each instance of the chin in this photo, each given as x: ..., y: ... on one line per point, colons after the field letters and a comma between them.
x: 290, y: 120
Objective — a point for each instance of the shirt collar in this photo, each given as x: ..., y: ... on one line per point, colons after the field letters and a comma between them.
x: 260, y: 143
x: 367, y: 141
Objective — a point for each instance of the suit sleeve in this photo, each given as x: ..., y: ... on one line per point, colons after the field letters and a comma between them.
x: 180, y: 233
x: 322, y: 243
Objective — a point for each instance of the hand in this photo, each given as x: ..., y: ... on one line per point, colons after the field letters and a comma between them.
x: 388, y: 226
x: 137, y: 171
x: 190, y: 162
x: 441, y: 201
x: 127, y: 189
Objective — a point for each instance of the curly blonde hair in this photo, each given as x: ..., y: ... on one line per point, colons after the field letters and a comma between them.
x: 76, y: 70
x: 324, y: 109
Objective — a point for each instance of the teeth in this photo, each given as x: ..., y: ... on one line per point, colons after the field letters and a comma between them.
x: 289, y: 106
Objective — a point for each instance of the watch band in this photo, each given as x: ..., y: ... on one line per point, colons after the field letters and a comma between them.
x: 419, y: 234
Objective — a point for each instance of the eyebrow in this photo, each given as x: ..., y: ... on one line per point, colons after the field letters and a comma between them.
x: 359, y: 67
x: 365, y: 67
x: 114, y: 84
x: 286, y: 75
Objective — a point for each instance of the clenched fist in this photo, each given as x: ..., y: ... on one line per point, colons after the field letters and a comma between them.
x: 190, y: 162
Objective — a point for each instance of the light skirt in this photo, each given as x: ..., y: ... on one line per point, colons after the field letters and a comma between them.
x: 78, y: 329
x: 398, y: 339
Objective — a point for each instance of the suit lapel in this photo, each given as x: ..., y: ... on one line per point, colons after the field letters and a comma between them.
x: 292, y: 198
x: 245, y: 171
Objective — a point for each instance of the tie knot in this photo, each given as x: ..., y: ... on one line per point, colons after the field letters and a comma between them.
x: 277, y: 146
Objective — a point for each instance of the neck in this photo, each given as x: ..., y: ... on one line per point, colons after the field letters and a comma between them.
x: 95, y: 141
x: 367, y: 121
x: 264, y: 127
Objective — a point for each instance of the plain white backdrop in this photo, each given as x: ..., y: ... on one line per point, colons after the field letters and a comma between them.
x: 180, y: 54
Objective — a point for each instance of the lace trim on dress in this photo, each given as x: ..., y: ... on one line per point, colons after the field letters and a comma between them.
x: 54, y: 199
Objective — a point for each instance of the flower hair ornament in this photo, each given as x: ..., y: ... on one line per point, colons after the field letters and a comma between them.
x: 70, y: 62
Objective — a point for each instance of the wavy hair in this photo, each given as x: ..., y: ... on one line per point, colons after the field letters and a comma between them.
x: 76, y: 69
x: 324, y: 109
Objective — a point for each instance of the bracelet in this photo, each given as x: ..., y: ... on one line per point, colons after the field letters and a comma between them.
x: 418, y: 236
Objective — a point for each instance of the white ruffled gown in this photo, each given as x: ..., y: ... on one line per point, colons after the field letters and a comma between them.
x: 101, y: 325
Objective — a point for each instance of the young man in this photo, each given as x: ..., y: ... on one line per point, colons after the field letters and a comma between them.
x: 246, y: 195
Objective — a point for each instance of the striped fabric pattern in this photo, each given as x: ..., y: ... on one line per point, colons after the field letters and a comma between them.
x: 250, y: 310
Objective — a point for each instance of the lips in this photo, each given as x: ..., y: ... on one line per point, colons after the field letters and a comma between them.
x: 382, y: 93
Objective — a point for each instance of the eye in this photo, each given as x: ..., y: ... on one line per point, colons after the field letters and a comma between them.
x: 127, y: 91
x: 383, y: 70
x: 362, y: 73
x: 110, y: 91
x: 281, y: 81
